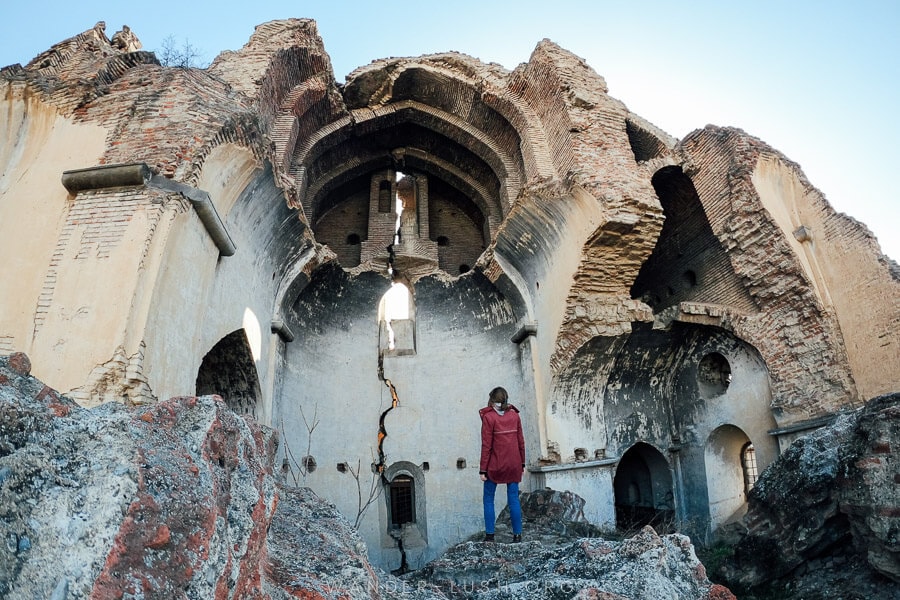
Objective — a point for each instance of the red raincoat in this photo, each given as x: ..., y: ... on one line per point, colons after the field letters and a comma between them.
x: 502, y: 445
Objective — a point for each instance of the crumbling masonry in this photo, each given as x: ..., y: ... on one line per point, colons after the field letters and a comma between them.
x: 668, y: 314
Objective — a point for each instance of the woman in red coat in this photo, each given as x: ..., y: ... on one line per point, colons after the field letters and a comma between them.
x: 502, y: 459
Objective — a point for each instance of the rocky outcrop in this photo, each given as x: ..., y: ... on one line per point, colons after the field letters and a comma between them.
x: 644, y: 566
x: 565, y: 557
x: 832, y: 501
x: 171, y: 501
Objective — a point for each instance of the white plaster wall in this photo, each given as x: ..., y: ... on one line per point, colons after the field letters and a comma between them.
x: 549, y: 293
x: 200, y: 297
x: 180, y: 310
x: 745, y: 404
x: 595, y: 485
x: 36, y: 146
x: 333, y: 374
x: 91, y: 303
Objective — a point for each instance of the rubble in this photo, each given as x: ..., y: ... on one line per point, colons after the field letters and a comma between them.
x: 823, y: 519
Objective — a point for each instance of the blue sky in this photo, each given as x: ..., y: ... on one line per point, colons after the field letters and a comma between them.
x: 818, y: 80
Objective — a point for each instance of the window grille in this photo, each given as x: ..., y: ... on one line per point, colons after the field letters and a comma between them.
x: 403, y: 506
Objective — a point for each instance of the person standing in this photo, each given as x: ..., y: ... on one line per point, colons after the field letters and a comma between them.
x: 502, y: 459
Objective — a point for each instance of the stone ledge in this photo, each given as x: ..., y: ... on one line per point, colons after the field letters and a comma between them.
x: 587, y: 464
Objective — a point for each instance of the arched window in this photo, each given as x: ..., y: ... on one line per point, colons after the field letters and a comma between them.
x: 748, y: 465
x: 730, y: 462
x: 713, y: 375
x: 229, y: 370
x: 403, y: 515
x: 403, y: 500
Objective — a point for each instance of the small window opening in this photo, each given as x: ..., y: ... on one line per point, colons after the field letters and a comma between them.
x: 460, y: 463
x: 353, y: 239
x: 690, y: 278
x: 748, y: 465
x: 443, y: 241
x: 464, y: 268
x: 384, y: 197
x: 403, y: 505
x: 713, y: 375
x: 580, y: 453
x: 425, y: 466
x: 342, y: 467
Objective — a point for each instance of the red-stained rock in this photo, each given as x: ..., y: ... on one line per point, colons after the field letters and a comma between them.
x: 20, y: 363
x: 178, y: 501
x: 160, y: 502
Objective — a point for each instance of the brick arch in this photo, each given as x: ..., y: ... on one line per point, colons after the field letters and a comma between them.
x: 239, y: 130
x: 461, y: 85
x: 420, y: 160
x: 228, y: 370
x: 443, y: 125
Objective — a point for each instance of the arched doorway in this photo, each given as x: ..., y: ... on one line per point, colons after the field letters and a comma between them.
x: 730, y: 461
x: 643, y: 489
x: 228, y: 370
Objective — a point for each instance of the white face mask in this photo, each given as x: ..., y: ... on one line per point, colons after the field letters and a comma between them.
x: 497, y: 405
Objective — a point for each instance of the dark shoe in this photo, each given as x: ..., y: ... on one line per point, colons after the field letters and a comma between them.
x: 517, y: 538
x: 489, y: 537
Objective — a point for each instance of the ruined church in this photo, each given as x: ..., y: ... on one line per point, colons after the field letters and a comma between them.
x: 356, y: 265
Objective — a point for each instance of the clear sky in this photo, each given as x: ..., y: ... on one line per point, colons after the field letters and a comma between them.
x: 818, y: 80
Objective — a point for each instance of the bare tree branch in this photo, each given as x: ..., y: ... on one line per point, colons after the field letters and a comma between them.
x: 170, y: 54
x: 298, y: 469
x: 375, y: 489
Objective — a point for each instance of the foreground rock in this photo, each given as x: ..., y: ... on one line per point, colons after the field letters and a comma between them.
x: 315, y: 553
x: 824, y: 519
x: 565, y: 557
x: 171, y: 501
x: 645, y: 566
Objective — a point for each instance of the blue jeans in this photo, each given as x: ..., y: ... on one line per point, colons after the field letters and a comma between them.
x: 512, y: 499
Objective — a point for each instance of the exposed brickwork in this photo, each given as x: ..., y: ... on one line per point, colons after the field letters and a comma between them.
x: 587, y: 128
x: 464, y: 240
x: 95, y: 225
x: 120, y: 379
x: 334, y: 228
x: 688, y: 263
x: 796, y: 335
x: 168, y: 118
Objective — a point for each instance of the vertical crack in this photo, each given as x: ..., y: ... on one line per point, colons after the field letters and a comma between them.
x: 404, y: 565
x: 382, y: 432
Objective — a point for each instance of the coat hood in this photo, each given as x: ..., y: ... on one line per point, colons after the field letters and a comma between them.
x: 484, y: 410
